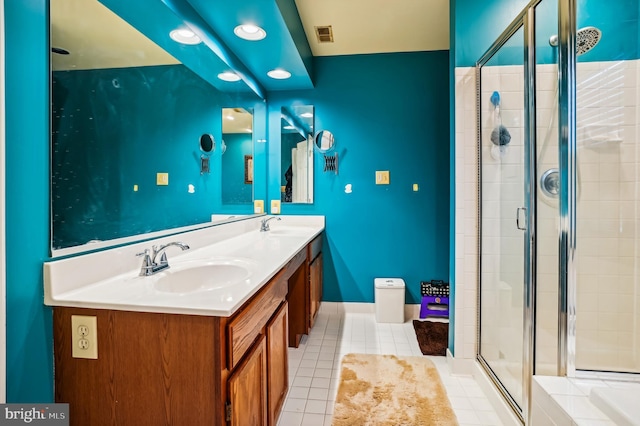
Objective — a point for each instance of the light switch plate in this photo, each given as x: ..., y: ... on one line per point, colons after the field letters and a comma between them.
x: 382, y: 177
x: 162, y: 178
x: 84, y: 337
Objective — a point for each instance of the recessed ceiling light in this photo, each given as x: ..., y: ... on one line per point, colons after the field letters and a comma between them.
x: 229, y: 76
x: 250, y: 32
x: 184, y: 36
x: 279, y: 74
x: 229, y: 117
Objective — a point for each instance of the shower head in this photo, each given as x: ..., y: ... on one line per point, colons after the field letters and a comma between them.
x: 586, y: 39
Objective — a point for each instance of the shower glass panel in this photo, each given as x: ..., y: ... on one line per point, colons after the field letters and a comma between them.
x: 608, y: 183
x: 502, y: 198
x: 548, y: 185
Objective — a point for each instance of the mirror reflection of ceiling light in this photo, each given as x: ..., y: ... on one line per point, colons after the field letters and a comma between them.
x: 250, y: 32
x: 184, y: 36
x: 289, y: 127
x: 229, y: 76
x: 306, y: 115
x: 279, y: 74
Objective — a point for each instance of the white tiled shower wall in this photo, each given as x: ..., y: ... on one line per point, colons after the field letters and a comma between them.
x: 608, y: 314
x: 608, y: 317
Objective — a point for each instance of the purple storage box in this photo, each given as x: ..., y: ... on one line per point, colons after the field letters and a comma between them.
x: 435, y: 299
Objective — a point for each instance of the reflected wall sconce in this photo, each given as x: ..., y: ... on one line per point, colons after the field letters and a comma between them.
x: 207, y: 145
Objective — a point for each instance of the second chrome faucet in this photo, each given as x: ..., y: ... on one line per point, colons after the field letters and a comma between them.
x: 150, y: 264
x: 264, y: 225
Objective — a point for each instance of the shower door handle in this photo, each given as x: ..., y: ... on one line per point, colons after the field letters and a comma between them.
x: 519, y: 216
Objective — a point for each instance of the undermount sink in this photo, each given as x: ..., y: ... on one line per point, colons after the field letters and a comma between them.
x: 203, y: 276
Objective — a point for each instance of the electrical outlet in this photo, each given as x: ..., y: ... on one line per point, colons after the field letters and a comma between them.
x: 84, y: 337
x: 275, y: 206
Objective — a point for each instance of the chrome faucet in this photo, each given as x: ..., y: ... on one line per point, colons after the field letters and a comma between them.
x: 264, y: 225
x: 149, y: 264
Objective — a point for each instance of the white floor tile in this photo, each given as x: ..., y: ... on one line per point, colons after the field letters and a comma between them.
x: 312, y: 419
x: 316, y: 406
x: 315, y: 368
x: 295, y: 405
x: 290, y: 419
x: 318, y: 393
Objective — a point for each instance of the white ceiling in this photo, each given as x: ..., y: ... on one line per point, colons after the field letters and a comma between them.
x: 376, y: 26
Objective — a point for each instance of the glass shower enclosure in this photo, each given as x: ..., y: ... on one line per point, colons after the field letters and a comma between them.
x: 506, y: 236
x: 559, y: 196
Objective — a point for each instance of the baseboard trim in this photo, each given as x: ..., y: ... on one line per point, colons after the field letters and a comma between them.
x: 411, y: 311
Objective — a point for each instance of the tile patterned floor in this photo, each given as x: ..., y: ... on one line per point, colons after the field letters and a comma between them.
x: 314, y: 368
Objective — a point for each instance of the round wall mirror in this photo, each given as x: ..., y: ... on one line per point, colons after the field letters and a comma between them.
x: 207, y: 143
x: 324, y: 141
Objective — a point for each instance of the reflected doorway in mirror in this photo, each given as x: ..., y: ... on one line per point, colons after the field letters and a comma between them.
x: 248, y: 169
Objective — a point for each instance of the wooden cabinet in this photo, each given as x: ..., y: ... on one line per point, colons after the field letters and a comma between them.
x: 245, y: 327
x: 315, y: 288
x: 305, y: 293
x: 314, y: 257
x: 278, y: 361
x: 168, y: 369
x: 152, y: 369
x: 248, y: 389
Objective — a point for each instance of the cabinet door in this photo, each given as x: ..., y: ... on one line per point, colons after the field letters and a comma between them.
x: 315, y: 288
x: 277, y: 364
x: 248, y: 388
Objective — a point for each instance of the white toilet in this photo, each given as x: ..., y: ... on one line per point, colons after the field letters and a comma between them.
x: 389, y: 300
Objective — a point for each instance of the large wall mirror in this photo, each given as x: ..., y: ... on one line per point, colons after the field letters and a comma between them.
x: 237, y: 156
x: 296, y: 157
x: 129, y: 108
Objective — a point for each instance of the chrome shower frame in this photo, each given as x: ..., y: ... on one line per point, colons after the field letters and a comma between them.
x: 525, y: 20
x: 567, y: 128
x: 567, y: 109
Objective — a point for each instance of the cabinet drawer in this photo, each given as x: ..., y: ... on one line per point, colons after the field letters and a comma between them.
x: 246, y: 326
x: 314, y: 248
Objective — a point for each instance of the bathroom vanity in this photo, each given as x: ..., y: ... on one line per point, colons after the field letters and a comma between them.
x: 161, y: 362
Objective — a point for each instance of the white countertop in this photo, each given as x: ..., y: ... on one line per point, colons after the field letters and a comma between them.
x: 110, y: 279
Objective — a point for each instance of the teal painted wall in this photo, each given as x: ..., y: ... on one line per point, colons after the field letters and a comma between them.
x: 387, y: 112
x: 102, y: 149
x: 234, y: 189
x: 479, y: 23
x: 452, y: 174
x: 618, y: 21
x: 29, y: 322
x: 377, y: 231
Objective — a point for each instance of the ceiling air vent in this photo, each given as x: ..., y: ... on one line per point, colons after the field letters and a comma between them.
x: 324, y: 34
